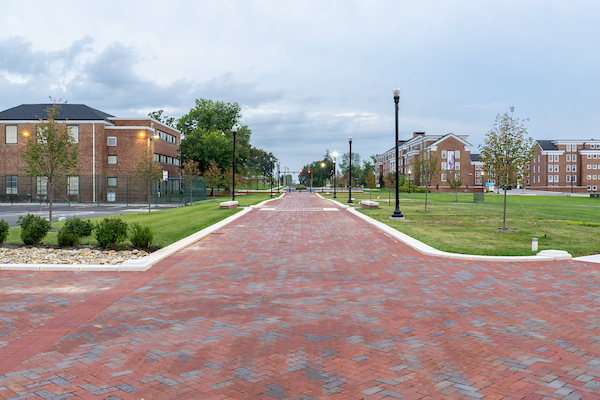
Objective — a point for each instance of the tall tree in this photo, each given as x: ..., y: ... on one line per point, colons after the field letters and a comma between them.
x: 427, y: 167
x: 213, y: 176
x: 52, y: 153
x: 506, y: 151
x: 158, y: 115
x: 203, y: 147
x: 211, y: 116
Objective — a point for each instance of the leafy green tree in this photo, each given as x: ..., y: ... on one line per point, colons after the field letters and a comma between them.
x: 210, y: 116
x: 203, y: 147
x: 213, y: 176
x: 506, y: 150
x: 51, y: 153
x: 158, y: 115
x: 427, y: 167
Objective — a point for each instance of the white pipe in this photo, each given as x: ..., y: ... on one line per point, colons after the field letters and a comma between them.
x: 93, y: 162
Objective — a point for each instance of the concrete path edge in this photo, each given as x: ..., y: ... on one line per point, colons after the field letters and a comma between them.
x: 141, y: 264
x: 544, y: 255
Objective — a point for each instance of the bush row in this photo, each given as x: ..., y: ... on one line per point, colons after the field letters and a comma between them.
x: 109, y: 233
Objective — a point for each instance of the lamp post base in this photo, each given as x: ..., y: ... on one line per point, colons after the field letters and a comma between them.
x: 397, y: 216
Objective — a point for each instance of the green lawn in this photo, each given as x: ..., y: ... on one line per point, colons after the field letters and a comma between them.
x: 169, y: 225
x: 561, y: 223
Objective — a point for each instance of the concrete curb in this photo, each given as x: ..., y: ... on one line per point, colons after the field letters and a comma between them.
x: 140, y: 264
x: 544, y: 255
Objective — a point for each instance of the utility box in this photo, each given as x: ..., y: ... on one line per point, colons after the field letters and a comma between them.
x: 478, y: 197
x: 595, y: 195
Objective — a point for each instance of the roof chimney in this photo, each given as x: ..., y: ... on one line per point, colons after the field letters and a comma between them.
x: 415, y: 134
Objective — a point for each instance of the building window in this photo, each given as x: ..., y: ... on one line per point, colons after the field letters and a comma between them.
x: 74, y: 132
x: 568, y: 149
x: 111, y: 196
x: 444, y: 165
x: 555, y: 178
x: 111, y: 181
x: 595, y: 177
x: 589, y: 166
x: 594, y: 166
x: 594, y: 188
x: 568, y: 158
x: 457, y: 166
x: 444, y: 154
x: 589, y: 177
x: 589, y: 156
x: 456, y: 154
x: 11, y: 184
x: 550, y: 178
x: 568, y: 168
x: 550, y: 168
x: 112, y: 141
x: 528, y: 167
x: 112, y: 160
x: 156, y: 157
x: 589, y: 187
x: 528, y: 181
x: 592, y: 146
x: 73, y: 185
x: 11, y: 134
x: 443, y: 177
x: 574, y: 168
x: 555, y: 167
x: 574, y: 178
x: 42, y: 185
x: 594, y: 156
x: 574, y: 157
x: 568, y: 178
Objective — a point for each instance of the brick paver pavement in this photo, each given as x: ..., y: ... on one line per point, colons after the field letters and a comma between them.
x: 301, y: 300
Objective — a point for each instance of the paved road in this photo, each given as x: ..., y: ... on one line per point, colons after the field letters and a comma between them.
x: 301, y: 300
x: 11, y: 213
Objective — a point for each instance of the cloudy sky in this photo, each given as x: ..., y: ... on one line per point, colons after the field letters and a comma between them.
x: 308, y: 74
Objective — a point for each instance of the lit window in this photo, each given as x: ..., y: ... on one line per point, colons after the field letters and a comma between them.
x: 589, y: 177
x: 11, y: 134
x: 112, y: 160
x: 74, y: 132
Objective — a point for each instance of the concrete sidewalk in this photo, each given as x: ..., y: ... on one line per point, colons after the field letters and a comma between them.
x: 300, y: 299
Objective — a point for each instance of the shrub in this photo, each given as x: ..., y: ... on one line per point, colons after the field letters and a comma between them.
x: 72, y: 232
x: 33, y: 229
x: 111, y: 232
x: 141, y: 236
x: 3, y: 231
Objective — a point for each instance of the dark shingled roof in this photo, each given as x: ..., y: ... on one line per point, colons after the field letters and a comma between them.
x: 474, y: 157
x: 74, y: 112
x: 547, y: 145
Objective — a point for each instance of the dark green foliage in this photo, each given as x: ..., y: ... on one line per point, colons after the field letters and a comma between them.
x: 111, y: 232
x: 141, y: 235
x: 73, y: 230
x: 33, y: 229
x: 3, y: 231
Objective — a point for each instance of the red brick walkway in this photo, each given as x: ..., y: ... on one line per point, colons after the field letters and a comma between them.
x: 300, y: 300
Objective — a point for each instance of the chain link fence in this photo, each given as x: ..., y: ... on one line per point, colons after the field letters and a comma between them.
x: 102, y: 189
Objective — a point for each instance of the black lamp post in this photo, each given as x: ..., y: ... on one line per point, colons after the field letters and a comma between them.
x: 234, y: 130
x: 278, y: 178
x: 334, y: 175
x: 482, y: 182
x: 397, y: 213
x: 350, y: 175
x: 271, y: 165
x: 322, y: 176
x: 409, y: 171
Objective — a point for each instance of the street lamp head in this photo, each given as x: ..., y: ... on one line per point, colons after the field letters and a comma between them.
x: 234, y: 129
x: 142, y: 133
x: 409, y: 171
x: 322, y: 165
x: 396, y: 93
x: 350, y: 139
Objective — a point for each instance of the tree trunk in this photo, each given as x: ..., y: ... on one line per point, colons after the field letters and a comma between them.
x: 504, y: 218
x: 426, y: 190
x: 50, y: 188
x: 456, y: 196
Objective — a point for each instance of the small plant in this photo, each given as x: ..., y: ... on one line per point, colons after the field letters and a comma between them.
x: 33, y: 229
x: 111, y: 232
x: 72, y: 232
x: 141, y: 236
x: 3, y: 231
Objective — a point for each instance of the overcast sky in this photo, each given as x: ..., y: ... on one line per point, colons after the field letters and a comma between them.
x: 309, y: 74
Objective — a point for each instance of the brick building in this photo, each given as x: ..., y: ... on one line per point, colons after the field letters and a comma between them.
x: 108, y: 149
x: 453, y: 152
x: 564, y: 165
